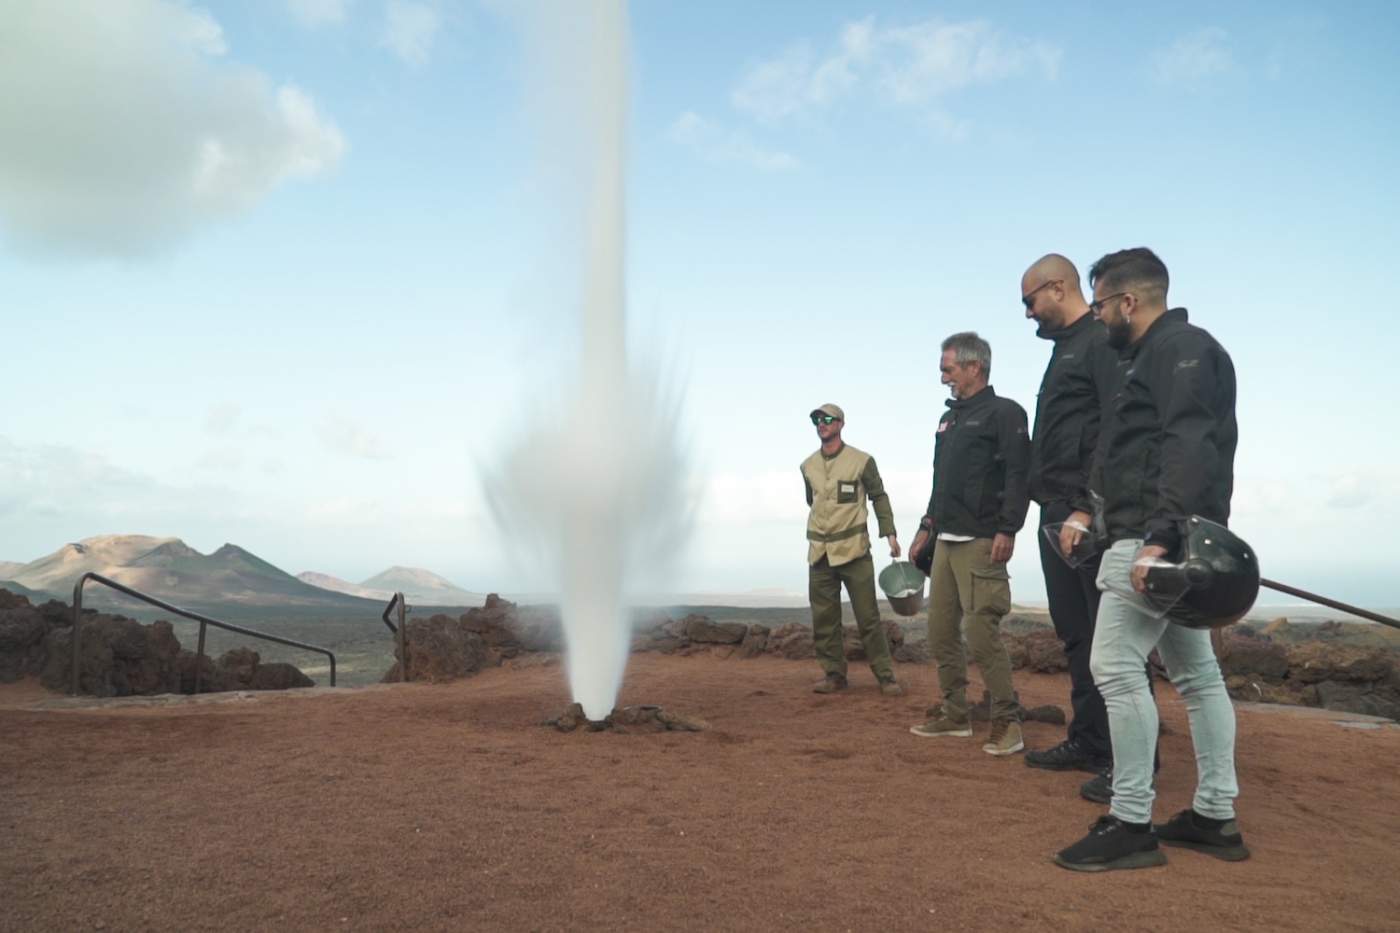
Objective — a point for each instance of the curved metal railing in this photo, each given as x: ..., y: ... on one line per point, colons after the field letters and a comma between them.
x: 194, y: 616
x: 400, y: 632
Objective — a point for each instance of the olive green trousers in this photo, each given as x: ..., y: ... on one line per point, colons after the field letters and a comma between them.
x: 824, y: 591
x: 969, y: 594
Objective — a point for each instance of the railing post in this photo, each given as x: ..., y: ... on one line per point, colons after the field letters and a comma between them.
x: 77, y: 625
x: 403, y: 639
x: 199, y: 658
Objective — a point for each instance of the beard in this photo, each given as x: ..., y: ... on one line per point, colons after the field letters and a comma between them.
x: 1046, y: 326
x: 1120, y: 333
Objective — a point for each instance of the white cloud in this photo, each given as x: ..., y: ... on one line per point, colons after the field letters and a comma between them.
x: 1193, y: 58
x: 409, y: 30
x: 319, y: 12
x: 222, y: 417
x: 778, y: 88
x: 904, y: 66
x: 346, y: 437
x: 226, y: 459
x: 50, y: 485
x: 721, y: 145
x: 133, y: 130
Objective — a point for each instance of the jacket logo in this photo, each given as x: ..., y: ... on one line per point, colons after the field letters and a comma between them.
x: 942, y: 426
x: 1187, y: 364
x: 973, y: 424
x: 1066, y: 356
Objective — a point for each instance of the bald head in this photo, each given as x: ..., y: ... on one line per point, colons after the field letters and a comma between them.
x: 1051, y: 268
x: 1051, y: 293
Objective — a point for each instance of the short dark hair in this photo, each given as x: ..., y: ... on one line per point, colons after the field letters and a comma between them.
x: 1138, y: 267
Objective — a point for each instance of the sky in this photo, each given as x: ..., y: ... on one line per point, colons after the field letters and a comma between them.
x: 290, y: 273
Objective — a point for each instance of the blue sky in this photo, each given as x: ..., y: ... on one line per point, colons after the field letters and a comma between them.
x: 284, y: 272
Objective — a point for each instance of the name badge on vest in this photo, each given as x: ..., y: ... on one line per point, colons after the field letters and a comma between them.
x: 845, y: 491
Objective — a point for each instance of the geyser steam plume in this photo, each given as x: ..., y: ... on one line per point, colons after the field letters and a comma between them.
x: 594, y: 486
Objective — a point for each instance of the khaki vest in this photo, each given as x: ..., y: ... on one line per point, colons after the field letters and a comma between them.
x: 836, y: 524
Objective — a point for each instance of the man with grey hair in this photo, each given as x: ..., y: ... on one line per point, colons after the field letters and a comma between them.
x: 981, y: 458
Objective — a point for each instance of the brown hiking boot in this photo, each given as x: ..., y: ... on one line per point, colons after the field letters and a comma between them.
x: 892, y: 688
x: 1005, y: 738
x: 941, y: 725
x: 830, y: 684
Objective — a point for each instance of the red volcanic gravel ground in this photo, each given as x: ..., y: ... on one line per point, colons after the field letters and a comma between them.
x: 448, y: 807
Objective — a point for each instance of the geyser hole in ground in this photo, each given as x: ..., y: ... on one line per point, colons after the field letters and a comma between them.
x: 626, y: 719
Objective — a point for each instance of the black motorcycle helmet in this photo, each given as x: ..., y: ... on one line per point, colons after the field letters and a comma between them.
x: 1214, y: 583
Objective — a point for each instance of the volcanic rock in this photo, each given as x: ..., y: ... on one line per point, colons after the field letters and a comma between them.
x: 701, y: 629
x: 237, y: 667
x: 981, y: 711
x: 211, y: 678
x: 442, y: 648
x: 625, y: 719
x: 755, y: 642
x: 1262, y: 659
x: 1040, y: 651
x: 279, y: 676
x: 792, y: 640
x: 912, y: 652
x: 855, y: 648
x: 22, y: 631
x: 1359, y: 698
x: 117, y: 657
x: 1317, y: 662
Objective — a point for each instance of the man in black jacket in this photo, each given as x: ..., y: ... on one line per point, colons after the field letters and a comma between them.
x: 978, y: 503
x: 1168, y: 453
x: 1077, y: 384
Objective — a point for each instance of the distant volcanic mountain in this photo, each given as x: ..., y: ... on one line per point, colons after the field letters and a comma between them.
x: 170, y: 569
x: 420, y: 587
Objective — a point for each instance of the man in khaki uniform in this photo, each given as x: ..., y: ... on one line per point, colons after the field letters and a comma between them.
x: 839, y: 478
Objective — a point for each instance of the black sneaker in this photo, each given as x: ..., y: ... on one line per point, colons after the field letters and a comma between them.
x: 1098, y: 788
x: 1190, y: 830
x: 1112, y: 845
x: 1066, y: 756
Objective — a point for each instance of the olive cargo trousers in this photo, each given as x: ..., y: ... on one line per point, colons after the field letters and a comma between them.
x: 969, y: 594
x: 824, y: 591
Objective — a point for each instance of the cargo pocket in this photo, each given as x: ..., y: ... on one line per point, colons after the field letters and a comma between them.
x: 991, y: 591
x: 846, y: 491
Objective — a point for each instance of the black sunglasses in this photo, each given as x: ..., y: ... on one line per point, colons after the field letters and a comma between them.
x: 1028, y: 298
x: 823, y: 419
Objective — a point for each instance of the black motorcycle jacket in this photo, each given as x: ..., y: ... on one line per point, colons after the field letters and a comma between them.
x: 1169, y: 436
x: 981, y: 455
x: 1078, y: 384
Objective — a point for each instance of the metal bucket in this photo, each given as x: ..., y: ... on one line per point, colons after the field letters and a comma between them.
x: 903, y: 586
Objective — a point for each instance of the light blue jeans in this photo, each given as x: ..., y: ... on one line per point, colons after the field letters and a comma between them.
x: 1125, y: 633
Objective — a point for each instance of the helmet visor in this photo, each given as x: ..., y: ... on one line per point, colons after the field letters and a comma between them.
x: 1075, y: 544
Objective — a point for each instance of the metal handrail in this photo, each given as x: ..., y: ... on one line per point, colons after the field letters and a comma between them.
x: 400, y: 632
x: 202, y: 620
x: 1330, y: 603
